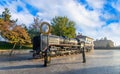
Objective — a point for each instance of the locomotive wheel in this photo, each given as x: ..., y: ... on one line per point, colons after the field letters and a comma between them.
x: 47, y: 58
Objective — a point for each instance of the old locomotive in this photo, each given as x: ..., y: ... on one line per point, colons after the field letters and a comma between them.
x: 46, y: 45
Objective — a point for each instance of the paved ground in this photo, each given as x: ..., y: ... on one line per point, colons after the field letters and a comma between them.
x: 101, y: 62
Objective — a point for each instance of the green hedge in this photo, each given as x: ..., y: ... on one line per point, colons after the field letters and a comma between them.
x: 7, y: 45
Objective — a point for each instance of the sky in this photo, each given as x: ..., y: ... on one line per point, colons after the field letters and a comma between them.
x: 93, y: 18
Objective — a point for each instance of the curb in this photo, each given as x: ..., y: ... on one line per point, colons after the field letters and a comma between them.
x: 7, y: 52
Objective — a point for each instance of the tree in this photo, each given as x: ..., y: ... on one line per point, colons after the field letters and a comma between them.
x: 16, y: 34
x: 34, y: 29
x: 12, y: 32
x: 22, y: 35
x: 62, y: 26
x: 6, y: 15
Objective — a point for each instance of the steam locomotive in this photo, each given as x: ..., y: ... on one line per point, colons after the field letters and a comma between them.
x: 58, y: 45
x: 46, y: 45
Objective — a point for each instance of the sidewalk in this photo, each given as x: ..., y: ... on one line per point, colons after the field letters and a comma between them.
x: 20, y: 51
x: 100, y: 62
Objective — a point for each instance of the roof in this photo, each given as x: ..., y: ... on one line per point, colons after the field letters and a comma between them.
x: 82, y: 36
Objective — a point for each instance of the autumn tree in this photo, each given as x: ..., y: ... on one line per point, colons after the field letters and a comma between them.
x: 62, y: 26
x: 21, y: 35
x: 12, y: 32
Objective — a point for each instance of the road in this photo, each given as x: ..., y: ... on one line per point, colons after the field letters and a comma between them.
x: 100, y: 62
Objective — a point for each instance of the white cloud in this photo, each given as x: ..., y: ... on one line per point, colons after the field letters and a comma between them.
x: 1, y: 9
x: 112, y: 31
x: 87, y: 21
x: 71, y: 8
x: 96, y: 3
x: 23, y: 16
x: 116, y: 5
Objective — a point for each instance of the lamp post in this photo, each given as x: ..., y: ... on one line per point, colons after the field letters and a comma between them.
x: 45, y: 30
x: 83, y: 51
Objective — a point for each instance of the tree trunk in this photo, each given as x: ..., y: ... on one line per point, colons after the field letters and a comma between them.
x: 20, y: 46
x: 12, y: 49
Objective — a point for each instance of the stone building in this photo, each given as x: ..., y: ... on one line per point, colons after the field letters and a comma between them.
x: 89, y: 42
x: 103, y: 43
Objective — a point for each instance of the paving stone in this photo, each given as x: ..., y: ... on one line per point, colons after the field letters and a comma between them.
x: 100, y: 62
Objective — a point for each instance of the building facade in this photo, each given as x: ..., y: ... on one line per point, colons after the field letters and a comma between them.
x: 89, y: 42
x: 103, y: 43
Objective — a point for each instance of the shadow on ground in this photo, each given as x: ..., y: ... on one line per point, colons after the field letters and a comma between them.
x: 33, y: 66
x: 22, y: 67
x: 93, y: 70
x: 21, y: 57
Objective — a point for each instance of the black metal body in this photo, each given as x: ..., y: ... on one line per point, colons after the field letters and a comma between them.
x: 51, y: 43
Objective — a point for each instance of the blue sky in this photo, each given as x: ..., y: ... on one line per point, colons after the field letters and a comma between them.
x: 94, y: 18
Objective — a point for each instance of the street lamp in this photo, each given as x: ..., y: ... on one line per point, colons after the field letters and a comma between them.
x: 83, y: 51
x: 45, y: 30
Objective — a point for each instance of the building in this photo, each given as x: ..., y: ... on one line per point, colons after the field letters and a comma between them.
x: 89, y: 42
x: 103, y: 43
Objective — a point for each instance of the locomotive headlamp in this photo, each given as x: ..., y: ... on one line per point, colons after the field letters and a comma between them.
x: 45, y: 28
